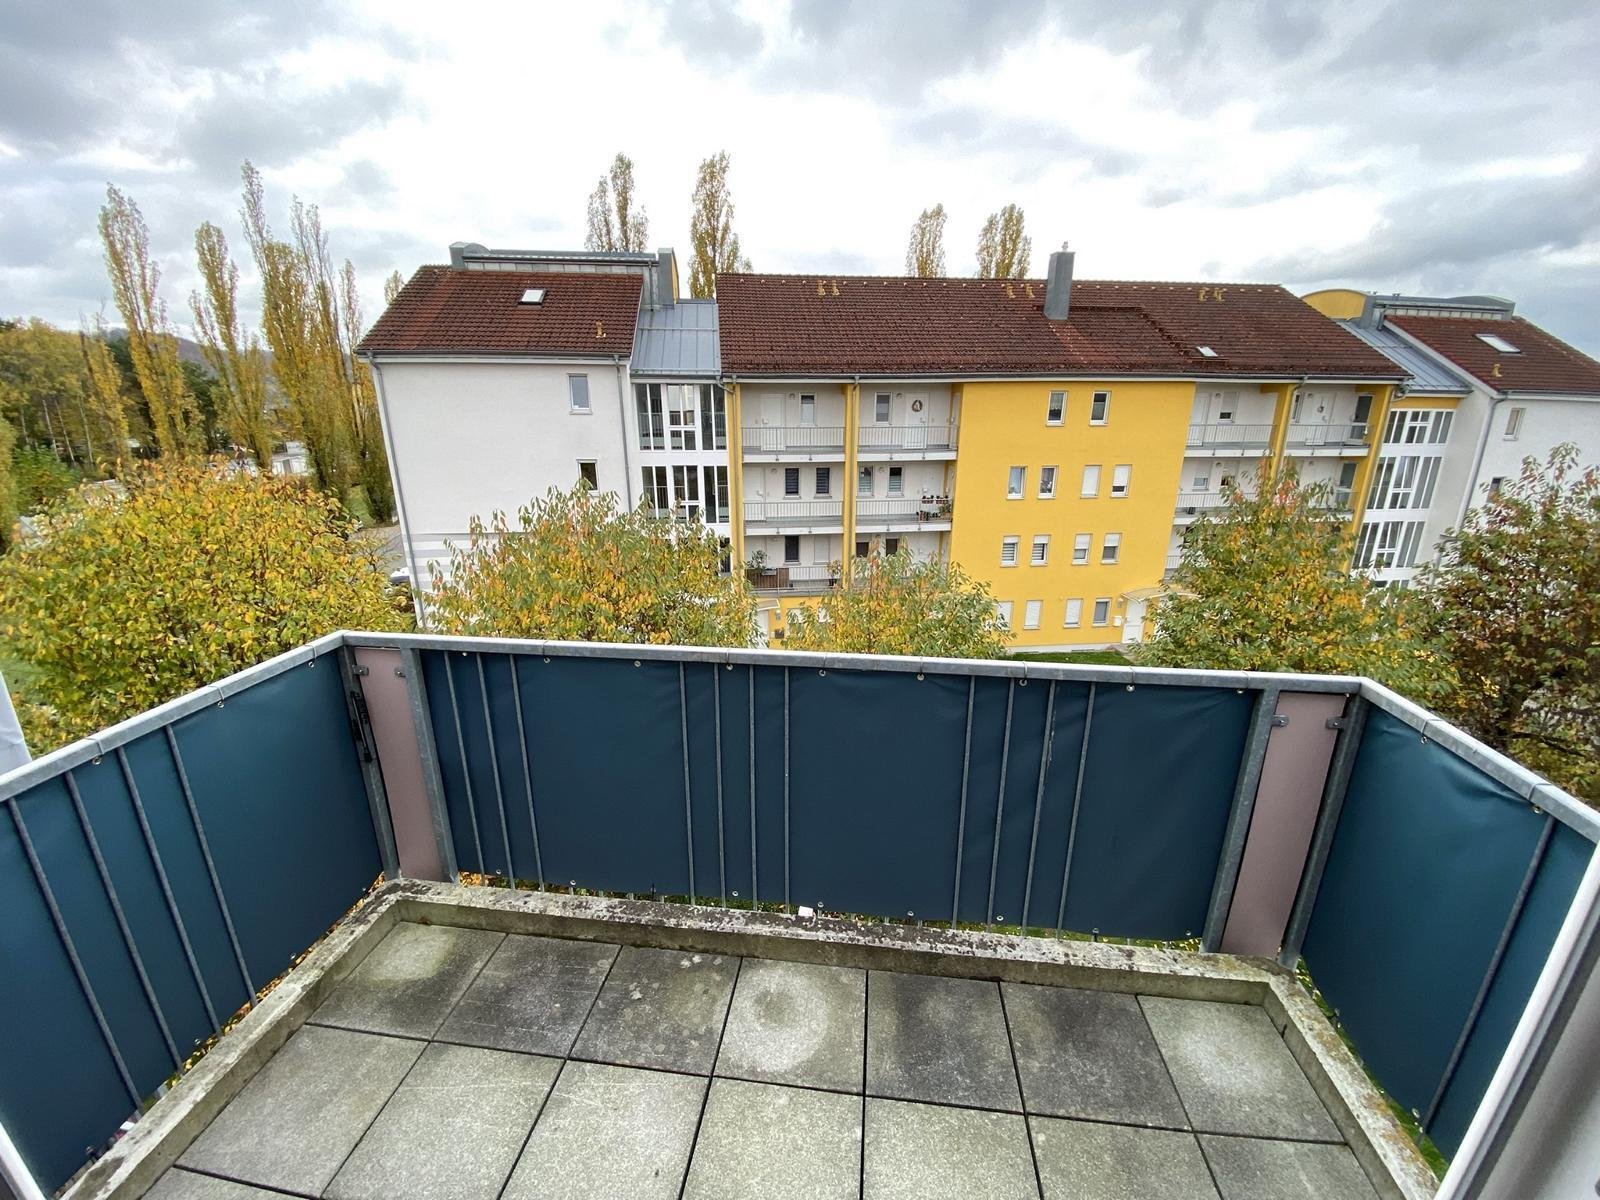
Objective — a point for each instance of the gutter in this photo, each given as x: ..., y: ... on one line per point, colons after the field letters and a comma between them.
x: 622, y: 420
x: 1495, y: 401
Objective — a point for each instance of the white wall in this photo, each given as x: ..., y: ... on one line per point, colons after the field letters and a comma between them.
x: 470, y: 438
x: 1545, y: 425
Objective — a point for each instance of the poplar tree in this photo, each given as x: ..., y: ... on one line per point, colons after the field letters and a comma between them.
x: 713, y: 245
x: 174, y: 421
x: 1003, y: 248
x: 235, y: 358
x: 391, y: 288
x: 106, y: 397
x: 615, y: 223
x: 925, y: 254
x: 364, y: 402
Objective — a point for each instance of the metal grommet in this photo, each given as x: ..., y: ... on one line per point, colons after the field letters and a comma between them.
x: 727, y: 666
x: 920, y: 676
x: 547, y: 658
x: 637, y: 663
x: 1129, y: 687
x: 1022, y: 683
x: 95, y: 761
x: 822, y: 670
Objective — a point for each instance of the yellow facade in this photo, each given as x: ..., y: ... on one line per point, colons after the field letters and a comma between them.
x: 1004, y: 425
x: 1341, y: 304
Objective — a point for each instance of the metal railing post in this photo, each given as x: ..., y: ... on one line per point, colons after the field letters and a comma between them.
x: 1238, y: 830
x: 367, y: 756
x: 15, y: 1177
x: 422, y: 721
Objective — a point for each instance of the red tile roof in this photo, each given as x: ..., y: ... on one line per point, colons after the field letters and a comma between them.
x: 444, y: 310
x: 1542, y: 363
x: 843, y: 325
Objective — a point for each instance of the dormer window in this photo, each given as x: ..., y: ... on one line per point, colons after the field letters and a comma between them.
x: 1206, y: 352
x: 1499, y: 343
x: 532, y: 296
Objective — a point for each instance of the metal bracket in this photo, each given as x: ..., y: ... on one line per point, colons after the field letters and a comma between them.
x: 358, y: 669
x: 1335, y: 723
x: 1279, y: 720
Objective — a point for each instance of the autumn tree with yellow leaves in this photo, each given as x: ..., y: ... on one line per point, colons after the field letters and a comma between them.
x: 234, y: 356
x: 577, y: 566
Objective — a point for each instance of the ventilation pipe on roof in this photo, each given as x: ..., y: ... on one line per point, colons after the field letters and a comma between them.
x: 1058, y: 285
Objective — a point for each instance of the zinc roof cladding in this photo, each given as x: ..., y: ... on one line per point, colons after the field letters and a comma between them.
x: 1429, y: 374
x: 841, y: 325
x: 679, y: 339
x: 1542, y: 362
x: 447, y: 311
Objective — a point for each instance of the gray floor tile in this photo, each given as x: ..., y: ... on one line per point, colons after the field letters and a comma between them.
x: 1089, y: 1054
x: 608, y: 1132
x: 796, y: 1023
x: 454, y: 1129
x: 409, y: 982
x: 938, y: 1039
x: 778, y: 1143
x: 178, y: 1184
x: 532, y: 995
x: 660, y: 1008
x: 295, y: 1122
x: 1234, y: 1072
x: 1081, y: 1160
x: 918, y: 1151
x: 1249, y: 1169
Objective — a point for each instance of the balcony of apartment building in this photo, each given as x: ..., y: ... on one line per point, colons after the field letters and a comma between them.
x: 498, y: 918
x: 891, y: 443
x: 1229, y: 439
x: 793, y: 423
x: 794, y: 515
x: 904, y: 514
x: 1328, y: 439
x: 791, y: 443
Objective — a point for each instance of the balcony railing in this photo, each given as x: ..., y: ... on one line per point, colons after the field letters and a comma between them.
x: 907, y: 437
x: 155, y: 878
x: 1189, y: 502
x: 794, y: 577
x: 902, y: 508
x: 1352, y: 436
x: 778, y: 439
x: 1226, y: 433
x: 792, y: 512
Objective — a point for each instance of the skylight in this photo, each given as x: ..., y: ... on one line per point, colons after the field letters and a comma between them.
x: 1206, y: 351
x: 1499, y: 343
x: 532, y: 296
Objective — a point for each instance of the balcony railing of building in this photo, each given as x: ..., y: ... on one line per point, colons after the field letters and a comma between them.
x: 891, y: 509
x: 156, y: 876
x: 1353, y: 436
x: 792, y: 512
x: 798, y: 578
x: 907, y: 437
x: 1228, y: 434
x: 1191, y: 502
x: 808, y: 439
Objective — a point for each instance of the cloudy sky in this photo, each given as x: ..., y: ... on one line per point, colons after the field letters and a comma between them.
x: 1426, y: 147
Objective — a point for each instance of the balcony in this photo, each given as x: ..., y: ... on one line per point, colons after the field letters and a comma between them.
x: 1327, y: 440
x: 664, y: 951
x: 904, y: 512
x: 1229, y: 440
x: 804, y: 442
x: 878, y: 443
x: 1192, y: 504
x: 794, y: 516
x: 794, y: 579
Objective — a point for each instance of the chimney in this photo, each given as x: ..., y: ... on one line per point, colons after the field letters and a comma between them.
x: 666, y: 278
x: 1058, y: 285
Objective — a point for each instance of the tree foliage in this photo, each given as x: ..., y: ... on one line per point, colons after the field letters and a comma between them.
x: 713, y: 245
x: 1264, y: 585
x: 898, y: 604
x: 577, y: 567
x: 135, y: 281
x: 1512, y: 603
x: 108, y: 393
x: 1003, y: 248
x: 235, y: 358
x: 925, y: 253
x: 199, y: 571
x: 48, y: 394
x: 8, y: 486
x: 391, y: 288
x: 616, y: 222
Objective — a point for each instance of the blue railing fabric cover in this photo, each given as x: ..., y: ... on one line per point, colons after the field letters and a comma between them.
x: 280, y: 797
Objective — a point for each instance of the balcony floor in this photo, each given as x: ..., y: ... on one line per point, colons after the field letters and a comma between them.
x: 471, y: 1064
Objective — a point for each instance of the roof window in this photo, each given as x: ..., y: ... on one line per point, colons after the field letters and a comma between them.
x: 532, y: 296
x: 1499, y: 343
x: 1206, y: 352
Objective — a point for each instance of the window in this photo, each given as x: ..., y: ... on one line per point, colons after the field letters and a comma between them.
x: 1513, y: 422
x: 864, y: 482
x: 588, y: 475
x: 716, y: 510
x: 713, y: 418
x: 1041, y: 550
x: 1091, y: 481
x: 578, y: 392
x: 1057, y: 409
x: 1202, y: 483
x: 1206, y: 352
x: 791, y: 481
x: 1363, y: 413
x: 1102, y: 610
x: 891, y: 545
x: 824, y: 481
x: 1499, y: 343
x: 655, y: 490
x: 1080, y: 549
x: 880, y: 408
x: 863, y: 548
x: 652, y: 426
x: 1386, y: 544
x: 1098, y: 406
x: 1404, y: 482
x: 1074, y: 614
x: 1119, y: 480
x: 808, y: 410
x: 791, y: 548
x: 1002, y: 612
x: 1047, y: 483
x: 1495, y: 484
x: 681, y: 418
x: 897, y: 481
x: 1111, y: 548
x: 1008, y: 551
x: 532, y: 296
x: 686, y: 487
x: 1030, y: 614
x: 1016, y: 481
